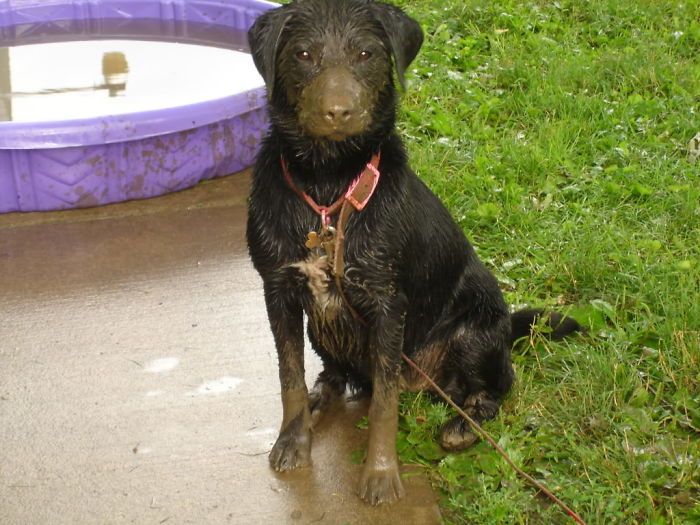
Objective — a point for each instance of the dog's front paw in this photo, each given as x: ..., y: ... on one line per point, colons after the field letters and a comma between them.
x: 291, y: 450
x: 381, y: 485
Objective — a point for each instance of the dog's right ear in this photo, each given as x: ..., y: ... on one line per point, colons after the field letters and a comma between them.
x: 263, y: 39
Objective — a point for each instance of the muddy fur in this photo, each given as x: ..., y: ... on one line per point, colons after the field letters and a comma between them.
x: 330, y: 66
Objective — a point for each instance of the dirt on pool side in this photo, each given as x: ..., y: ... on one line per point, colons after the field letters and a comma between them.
x: 138, y: 377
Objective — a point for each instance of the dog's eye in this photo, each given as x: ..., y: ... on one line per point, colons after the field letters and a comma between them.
x: 304, y: 55
x: 365, y: 55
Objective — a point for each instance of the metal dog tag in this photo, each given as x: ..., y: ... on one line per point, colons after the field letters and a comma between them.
x: 323, y: 242
x: 313, y: 241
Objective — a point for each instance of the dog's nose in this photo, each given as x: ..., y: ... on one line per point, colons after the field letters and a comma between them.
x: 338, y: 113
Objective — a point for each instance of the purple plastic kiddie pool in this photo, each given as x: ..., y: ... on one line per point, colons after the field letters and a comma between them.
x: 108, y: 100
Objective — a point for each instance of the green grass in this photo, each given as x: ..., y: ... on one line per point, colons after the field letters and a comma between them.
x: 556, y: 133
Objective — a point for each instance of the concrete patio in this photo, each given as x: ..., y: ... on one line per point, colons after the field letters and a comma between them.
x: 138, y: 377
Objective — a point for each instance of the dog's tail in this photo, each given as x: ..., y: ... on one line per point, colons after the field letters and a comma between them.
x: 556, y: 325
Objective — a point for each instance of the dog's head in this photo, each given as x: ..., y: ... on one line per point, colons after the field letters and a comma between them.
x: 328, y: 64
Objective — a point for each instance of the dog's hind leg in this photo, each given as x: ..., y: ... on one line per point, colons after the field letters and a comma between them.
x: 330, y: 383
x: 329, y: 387
x: 457, y: 434
x: 481, y: 375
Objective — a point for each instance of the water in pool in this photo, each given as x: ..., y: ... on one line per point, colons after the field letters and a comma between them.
x: 70, y: 80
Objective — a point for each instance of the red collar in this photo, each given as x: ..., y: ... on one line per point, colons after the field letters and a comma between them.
x: 358, y: 193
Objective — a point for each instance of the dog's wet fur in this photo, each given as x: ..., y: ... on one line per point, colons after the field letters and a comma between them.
x: 329, y: 67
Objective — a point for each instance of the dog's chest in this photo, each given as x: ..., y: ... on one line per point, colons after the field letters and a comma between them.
x: 330, y: 319
x: 325, y: 301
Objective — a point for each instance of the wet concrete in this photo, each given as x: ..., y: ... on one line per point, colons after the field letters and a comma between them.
x: 138, y: 377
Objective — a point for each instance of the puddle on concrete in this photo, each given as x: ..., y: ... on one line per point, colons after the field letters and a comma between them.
x: 88, y: 79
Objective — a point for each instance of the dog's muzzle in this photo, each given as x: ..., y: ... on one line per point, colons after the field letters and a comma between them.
x: 333, y: 106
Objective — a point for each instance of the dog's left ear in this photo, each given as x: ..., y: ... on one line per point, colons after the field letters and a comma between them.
x: 263, y: 39
x: 405, y: 36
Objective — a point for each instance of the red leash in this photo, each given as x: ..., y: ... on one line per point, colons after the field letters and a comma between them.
x: 474, y: 425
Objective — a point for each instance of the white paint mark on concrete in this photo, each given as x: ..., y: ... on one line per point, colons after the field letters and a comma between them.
x: 164, y: 364
x: 217, y: 386
x: 155, y: 393
x: 267, y: 431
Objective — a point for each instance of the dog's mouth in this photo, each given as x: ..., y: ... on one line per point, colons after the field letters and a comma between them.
x: 335, y: 135
x: 319, y: 128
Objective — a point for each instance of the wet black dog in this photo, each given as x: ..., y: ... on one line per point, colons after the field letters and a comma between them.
x: 410, y: 282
